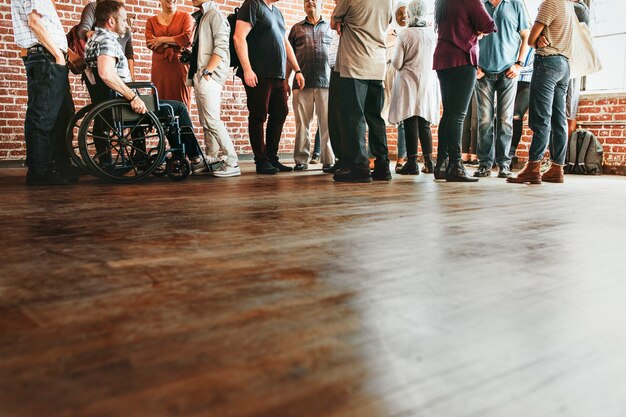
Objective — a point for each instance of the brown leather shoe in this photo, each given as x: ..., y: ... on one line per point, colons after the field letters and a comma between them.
x: 530, y: 174
x: 554, y: 174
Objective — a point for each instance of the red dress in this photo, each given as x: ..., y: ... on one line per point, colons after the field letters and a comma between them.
x: 168, y: 74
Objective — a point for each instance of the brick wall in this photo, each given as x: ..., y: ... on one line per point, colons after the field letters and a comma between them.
x: 601, y: 112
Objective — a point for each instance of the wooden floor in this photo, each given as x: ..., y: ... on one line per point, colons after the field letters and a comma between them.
x: 294, y: 296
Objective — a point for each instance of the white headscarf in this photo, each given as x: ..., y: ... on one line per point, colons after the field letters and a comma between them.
x: 394, y: 23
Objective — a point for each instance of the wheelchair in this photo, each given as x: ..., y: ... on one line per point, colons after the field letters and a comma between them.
x: 110, y: 141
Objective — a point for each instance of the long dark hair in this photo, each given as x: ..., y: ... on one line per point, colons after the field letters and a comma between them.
x: 440, y: 11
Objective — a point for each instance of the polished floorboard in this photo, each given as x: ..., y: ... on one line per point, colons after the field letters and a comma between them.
x: 292, y: 296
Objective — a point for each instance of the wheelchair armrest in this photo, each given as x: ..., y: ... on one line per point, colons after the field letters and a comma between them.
x: 144, y: 84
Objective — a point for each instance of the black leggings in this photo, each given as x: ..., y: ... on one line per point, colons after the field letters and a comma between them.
x: 415, y: 127
x: 457, y: 85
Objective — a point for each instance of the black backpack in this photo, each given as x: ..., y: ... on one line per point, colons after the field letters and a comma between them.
x: 232, y: 21
x: 584, y: 154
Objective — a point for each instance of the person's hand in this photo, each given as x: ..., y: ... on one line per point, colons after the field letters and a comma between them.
x: 479, y: 73
x: 154, y: 43
x: 480, y: 35
x: 288, y: 88
x: 513, y: 71
x: 300, y: 80
x: 61, y: 61
x: 250, y: 78
x: 138, y: 105
x: 89, y: 34
x: 542, y: 42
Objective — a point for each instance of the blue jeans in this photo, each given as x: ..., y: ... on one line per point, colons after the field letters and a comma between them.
x: 546, y: 118
x: 495, y: 93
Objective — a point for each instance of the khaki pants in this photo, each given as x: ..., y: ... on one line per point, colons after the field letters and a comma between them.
x: 209, y: 103
x: 306, y: 103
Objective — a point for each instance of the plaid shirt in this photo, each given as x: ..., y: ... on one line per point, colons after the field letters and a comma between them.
x: 311, y: 44
x: 24, y: 36
x: 105, y: 42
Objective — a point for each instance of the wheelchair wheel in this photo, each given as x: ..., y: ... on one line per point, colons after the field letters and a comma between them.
x: 161, y: 168
x: 71, y: 137
x: 120, y: 145
x: 177, y: 168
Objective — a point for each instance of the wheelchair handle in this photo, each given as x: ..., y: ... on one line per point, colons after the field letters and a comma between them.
x: 141, y: 84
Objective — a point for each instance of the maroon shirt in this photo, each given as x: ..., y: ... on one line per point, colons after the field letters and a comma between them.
x: 457, y: 43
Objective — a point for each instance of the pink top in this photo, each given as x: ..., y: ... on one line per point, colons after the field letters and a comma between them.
x: 457, y: 43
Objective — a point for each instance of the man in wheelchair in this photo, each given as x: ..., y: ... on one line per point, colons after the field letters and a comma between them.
x: 104, y: 53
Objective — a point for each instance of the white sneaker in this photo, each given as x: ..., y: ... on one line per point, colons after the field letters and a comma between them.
x: 227, y: 171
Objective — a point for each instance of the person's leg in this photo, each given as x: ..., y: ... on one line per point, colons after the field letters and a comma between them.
x: 464, y: 80
x: 377, y: 127
x: 334, y: 114
x: 327, y: 156
x: 519, y: 110
x: 401, y: 145
x: 66, y: 112
x: 303, y: 109
x: 43, y: 107
x: 353, y: 94
x: 547, y: 74
x: 474, y: 128
x: 506, y: 90
x: 203, y: 98
x: 542, y: 91
x: 317, y: 143
x: 426, y: 140
x: 213, y: 109
x: 411, y: 134
x: 559, y: 119
x: 278, y: 109
x: 411, y: 131
x: 485, y: 97
x: 459, y: 84
x: 187, y: 135
x: 442, y: 134
x: 258, y: 104
x: 467, y: 134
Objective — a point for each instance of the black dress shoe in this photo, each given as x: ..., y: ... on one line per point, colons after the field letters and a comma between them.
x: 281, y: 167
x: 504, y: 172
x: 483, y: 171
x: 46, y: 178
x: 331, y: 169
x: 457, y: 173
x: 353, y: 175
x: 440, y: 169
x: 301, y: 167
x: 266, y: 168
x: 381, y: 171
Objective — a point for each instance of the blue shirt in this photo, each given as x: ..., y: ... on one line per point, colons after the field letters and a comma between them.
x: 499, y: 51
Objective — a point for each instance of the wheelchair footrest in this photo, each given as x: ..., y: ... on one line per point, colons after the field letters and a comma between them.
x: 215, y: 166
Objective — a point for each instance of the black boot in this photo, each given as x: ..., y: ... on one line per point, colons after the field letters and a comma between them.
x: 381, y: 170
x: 456, y: 173
x: 440, y: 169
x: 428, y: 164
x: 411, y: 167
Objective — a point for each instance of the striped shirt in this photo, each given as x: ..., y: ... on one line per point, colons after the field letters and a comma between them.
x: 559, y: 18
x: 24, y: 36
